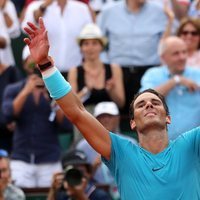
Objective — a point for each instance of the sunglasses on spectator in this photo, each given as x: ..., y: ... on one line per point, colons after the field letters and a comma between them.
x: 193, y: 33
x: 3, y: 153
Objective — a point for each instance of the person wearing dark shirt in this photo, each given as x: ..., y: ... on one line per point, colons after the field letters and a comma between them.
x: 36, y: 149
x: 8, y: 75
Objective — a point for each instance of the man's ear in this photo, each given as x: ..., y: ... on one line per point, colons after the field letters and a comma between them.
x: 168, y: 119
x: 132, y: 124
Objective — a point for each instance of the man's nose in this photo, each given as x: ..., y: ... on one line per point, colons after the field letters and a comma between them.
x: 149, y: 105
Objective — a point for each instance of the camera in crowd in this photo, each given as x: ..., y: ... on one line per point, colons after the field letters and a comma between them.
x: 76, y: 166
x: 73, y: 175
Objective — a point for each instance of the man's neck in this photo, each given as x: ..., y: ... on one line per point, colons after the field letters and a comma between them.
x: 154, y: 141
x: 133, y: 6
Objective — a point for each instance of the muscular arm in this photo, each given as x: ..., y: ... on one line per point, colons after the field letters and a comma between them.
x: 18, y: 102
x: 96, y: 135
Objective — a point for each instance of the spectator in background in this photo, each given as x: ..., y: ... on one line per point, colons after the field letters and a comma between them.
x: 94, y: 81
x: 133, y: 35
x: 64, y: 20
x: 8, y: 74
x: 189, y: 31
x: 36, y: 149
x: 7, y: 190
x: 9, y: 22
x: 107, y: 113
x: 179, y: 83
x: 84, y: 189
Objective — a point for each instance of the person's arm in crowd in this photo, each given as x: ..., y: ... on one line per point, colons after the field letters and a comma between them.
x: 96, y: 164
x: 96, y: 135
x: 170, y: 16
x: 10, y: 18
x: 20, y: 99
x: 72, y: 78
x: 115, y: 87
x: 2, y: 42
x: 41, y: 10
x: 7, y: 18
x: 165, y: 88
x: 180, y: 8
x: 56, y: 184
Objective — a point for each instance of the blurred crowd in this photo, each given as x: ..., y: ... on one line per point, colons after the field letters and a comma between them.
x: 108, y: 50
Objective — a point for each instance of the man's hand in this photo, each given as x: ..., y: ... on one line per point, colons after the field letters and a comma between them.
x: 191, y: 85
x: 38, y: 42
x: 32, y: 83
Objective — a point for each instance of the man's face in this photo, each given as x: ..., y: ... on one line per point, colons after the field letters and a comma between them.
x: 4, y: 172
x: 110, y: 122
x: 149, y: 113
x: 175, y: 56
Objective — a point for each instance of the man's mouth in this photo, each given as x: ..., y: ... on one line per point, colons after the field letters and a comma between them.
x: 150, y: 114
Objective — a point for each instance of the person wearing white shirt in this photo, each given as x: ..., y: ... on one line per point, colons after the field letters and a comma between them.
x: 9, y: 22
x: 64, y: 20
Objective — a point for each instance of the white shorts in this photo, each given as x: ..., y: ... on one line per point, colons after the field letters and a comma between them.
x: 33, y: 175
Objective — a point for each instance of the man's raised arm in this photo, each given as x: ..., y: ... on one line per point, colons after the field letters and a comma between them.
x: 60, y: 90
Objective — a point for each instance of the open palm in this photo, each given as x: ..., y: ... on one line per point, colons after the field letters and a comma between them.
x: 38, y: 41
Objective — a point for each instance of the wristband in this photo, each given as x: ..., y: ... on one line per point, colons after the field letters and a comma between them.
x: 45, y: 66
x: 57, y: 85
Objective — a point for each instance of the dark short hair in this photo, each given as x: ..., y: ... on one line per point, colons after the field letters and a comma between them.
x: 160, y: 96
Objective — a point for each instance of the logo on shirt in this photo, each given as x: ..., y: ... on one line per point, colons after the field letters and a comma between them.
x: 156, y: 169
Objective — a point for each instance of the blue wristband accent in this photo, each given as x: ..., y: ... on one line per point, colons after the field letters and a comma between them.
x: 57, y: 85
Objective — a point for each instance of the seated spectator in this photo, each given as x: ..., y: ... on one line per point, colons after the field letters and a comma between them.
x: 94, y: 81
x: 107, y: 114
x: 36, y: 150
x: 178, y: 83
x: 76, y: 182
x: 7, y: 190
